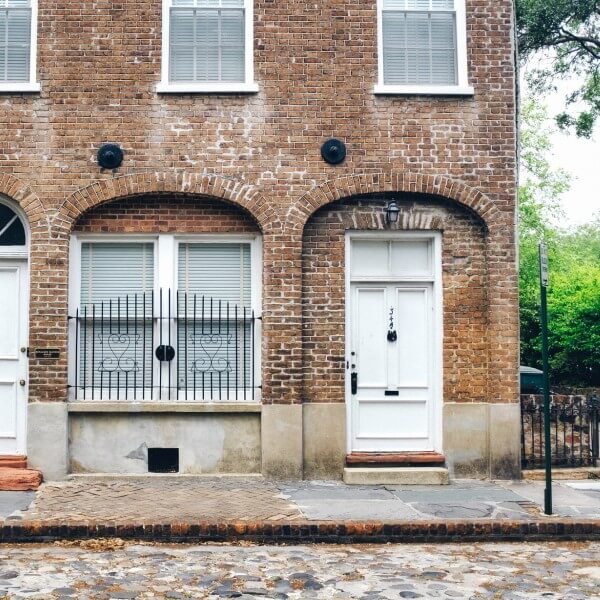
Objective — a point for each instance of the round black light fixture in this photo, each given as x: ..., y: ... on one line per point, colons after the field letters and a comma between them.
x: 110, y: 156
x: 333, y: 151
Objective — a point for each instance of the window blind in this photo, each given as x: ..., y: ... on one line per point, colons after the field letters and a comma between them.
x: 110, y: 271
x: 115, y: 346
x: 216, y: 342
x: 218, y: 271
x: 419, y: 42
x: 207, y: 41
x: 15, y: 40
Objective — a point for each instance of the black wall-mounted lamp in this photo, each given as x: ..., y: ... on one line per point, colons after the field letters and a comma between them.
x: 392, y: 212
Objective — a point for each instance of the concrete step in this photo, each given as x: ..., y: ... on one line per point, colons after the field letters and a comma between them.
x: 19, y: 480
x: 13, y: 461
x: 396, y: 476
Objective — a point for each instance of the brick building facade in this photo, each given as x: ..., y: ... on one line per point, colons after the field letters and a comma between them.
x: 246, y: 165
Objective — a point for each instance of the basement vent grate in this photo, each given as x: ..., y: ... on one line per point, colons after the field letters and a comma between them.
x: 163, y: 460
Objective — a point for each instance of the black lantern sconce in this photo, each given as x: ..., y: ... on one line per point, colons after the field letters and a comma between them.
x: 110, y: 156
x: 392, y: 212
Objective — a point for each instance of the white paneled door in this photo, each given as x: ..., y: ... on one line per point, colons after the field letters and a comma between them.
x: 13, y: 355
x: 394, y: 366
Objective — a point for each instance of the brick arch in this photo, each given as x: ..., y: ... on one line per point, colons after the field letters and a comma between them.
x: 354, y: 185
x: 22, y: 193
x: 223, y: 188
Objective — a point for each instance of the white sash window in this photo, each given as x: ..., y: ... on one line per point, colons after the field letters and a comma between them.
x: 207, y: 46
x: 18, y: 45
x: 422, y: 47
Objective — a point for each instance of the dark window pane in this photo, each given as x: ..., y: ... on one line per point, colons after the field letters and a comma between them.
x: 12, y: 232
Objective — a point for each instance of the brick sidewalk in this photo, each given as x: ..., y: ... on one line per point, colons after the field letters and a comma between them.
x: 163, y: 499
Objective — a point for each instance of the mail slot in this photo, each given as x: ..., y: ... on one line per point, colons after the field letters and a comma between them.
x: 392, y: 393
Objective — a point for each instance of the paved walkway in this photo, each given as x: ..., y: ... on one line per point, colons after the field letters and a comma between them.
x: 218, y: 509
x: 106, y: 571
x: 257, y: 499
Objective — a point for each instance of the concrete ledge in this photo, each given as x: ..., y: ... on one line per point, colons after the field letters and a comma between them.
x: 396, y: 476
x: 293, y: 532
x: 163, y: 407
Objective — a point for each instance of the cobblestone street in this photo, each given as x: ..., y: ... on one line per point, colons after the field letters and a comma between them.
x: 111, y: 570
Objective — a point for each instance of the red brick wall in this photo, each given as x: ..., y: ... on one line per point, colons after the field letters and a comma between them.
x: 315, y: 65
x: 464, y: 294
x: 166, y: 213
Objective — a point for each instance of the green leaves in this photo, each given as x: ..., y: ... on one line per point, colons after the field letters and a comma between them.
x: 574, y: 292
x: 567, y: 33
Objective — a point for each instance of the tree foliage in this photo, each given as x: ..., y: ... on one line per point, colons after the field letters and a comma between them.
x: 568, y: 33
x: 574, y: 292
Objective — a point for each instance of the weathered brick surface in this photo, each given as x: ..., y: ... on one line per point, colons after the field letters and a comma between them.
x: 316, y: 66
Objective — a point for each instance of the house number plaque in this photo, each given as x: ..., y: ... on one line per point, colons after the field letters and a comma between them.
x: 52, y: 353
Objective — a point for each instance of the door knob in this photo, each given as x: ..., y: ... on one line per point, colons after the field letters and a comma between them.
x: 22, y: 383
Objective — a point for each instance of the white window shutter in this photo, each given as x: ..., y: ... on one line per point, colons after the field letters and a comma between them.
x: 15, y: 41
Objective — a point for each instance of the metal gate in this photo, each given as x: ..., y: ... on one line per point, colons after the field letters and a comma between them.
x: 574, y: 424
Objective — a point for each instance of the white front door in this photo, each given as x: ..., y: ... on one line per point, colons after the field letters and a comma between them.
x: 394, y: 363
x: 13, y: 355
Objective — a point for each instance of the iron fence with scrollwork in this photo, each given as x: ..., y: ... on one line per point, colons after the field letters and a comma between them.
x: 175, y: 346
x: 574, y: 431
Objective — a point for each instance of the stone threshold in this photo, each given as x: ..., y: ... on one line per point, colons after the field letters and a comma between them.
x: 400, y: 458
x: 162, y: 407
x: 297, y: 531
x: 13, y: 461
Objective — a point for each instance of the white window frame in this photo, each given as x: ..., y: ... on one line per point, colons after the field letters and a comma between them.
x: 247, y: 86
x: 32, y: 85
x: 462, y: 88
x: 166, y: 253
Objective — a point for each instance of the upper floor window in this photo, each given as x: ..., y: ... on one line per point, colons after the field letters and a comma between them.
x: 207, y: 46
x: 422, y: 47
x: 18, y: 45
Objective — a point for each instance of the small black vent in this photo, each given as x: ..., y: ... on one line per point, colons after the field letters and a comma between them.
x: 163, y: 460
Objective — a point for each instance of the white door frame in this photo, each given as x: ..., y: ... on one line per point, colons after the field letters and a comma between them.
x: 435, y: 238
x: 19, y: 256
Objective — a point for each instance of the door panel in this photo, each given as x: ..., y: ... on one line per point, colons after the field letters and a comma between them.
x: 371, y: 350
x: 414, y: 342
x: 9, y: 319
x: 13, y: 362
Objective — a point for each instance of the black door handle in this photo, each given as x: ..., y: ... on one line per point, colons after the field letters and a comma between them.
x: 354, y: 383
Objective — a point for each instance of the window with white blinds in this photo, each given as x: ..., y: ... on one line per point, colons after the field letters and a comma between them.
x: 208, y: 41
x: 422, y: 44
x: 135, y: 301
x: 16, y: 20
x: 116, y: 308
x: 112, y: 271
x: 220, y: 272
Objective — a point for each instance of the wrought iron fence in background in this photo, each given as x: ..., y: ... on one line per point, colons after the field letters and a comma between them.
x: 574, y: 431
x: 177, y: 346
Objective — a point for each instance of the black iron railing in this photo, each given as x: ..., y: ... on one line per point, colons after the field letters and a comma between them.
x: 574, y: 431
x: 175, y: 346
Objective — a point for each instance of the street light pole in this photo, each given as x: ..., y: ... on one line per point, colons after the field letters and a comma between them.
x: 544, y: 322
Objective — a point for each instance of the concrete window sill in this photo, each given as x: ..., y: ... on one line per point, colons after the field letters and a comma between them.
x: 163, y: 407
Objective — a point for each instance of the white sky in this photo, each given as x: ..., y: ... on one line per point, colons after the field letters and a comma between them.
x: 580, y: 158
